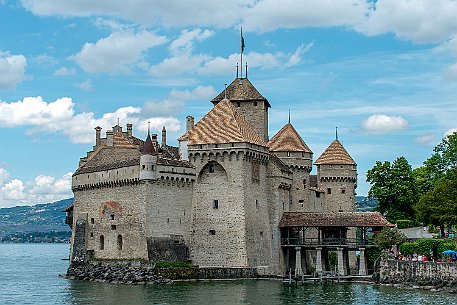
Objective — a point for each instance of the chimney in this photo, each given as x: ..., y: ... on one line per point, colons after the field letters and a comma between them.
x: 98, y: 131
x: 129, y: 130
x: 164, y: 137
x: 189, y: 123
x: 109, y: 138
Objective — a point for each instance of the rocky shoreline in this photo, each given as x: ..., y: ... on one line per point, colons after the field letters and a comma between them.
x: 142, y: 273
x: 445, y: 288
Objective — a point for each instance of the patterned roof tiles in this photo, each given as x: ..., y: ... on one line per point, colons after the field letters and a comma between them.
x: 288, y: 139
x: 241, y: 89
x: 223, y: 124
x: 335, y: 154
x: 119, y: 140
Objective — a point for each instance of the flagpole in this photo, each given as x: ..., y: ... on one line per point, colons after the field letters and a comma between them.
x: 241, y: 49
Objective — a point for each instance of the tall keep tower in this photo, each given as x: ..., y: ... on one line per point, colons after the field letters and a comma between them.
x: 249, y: 103
x: 337, y: 176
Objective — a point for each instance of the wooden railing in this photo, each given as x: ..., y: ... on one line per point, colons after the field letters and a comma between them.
x: 293, y: 241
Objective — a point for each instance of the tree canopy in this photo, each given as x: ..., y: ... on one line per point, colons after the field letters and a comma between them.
x: 395, y: 187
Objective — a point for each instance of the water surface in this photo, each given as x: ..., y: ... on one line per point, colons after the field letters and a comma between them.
x: 29, y: 275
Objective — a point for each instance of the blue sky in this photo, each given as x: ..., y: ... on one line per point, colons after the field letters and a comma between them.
x: 384, y: 72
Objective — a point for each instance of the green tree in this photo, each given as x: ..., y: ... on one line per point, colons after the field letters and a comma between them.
x: 394, y: 186
x: 438, y: 206
x: 388, y: 237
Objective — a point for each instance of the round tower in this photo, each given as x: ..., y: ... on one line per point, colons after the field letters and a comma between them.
x: 337, y: 177
x: 292, y: 150
x: 148, y: 160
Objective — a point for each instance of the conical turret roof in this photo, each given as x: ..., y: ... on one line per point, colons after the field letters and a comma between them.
x: 288, y: 139
x: 335, y: 154
x: 223, y: 124
x: 241, y: 89
x: 148, y: 147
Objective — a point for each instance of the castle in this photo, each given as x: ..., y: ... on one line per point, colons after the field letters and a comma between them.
x: 228, y: 196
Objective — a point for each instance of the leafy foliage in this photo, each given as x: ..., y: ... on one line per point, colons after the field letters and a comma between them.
x: 173, y: 265
x: 425, y: 245
x: 394, y: 186
x: 388, y: 237
x: 406, y: 223
x: 438, y: 206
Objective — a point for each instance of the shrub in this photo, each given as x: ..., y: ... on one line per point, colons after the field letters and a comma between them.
x: 425, y: 245
x: 406, y: 223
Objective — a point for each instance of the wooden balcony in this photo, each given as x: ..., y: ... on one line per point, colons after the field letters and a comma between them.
x: 325, y: 242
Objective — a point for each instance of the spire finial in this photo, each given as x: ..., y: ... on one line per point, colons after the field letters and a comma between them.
x: 225, y: 91
x: 149, y: 128
x: 336, y: 133
x: 289, y: 116
x: 246, y: 70
x: 236, y: 70
x: 118, y: 122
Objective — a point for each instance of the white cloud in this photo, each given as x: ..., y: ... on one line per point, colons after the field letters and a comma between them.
x: 120, y: 51
x: 45, y: 59
x: 64, y: 71
x: 421, y: 21
x: 40, y: 190
x: 184, y: 43
x: 268, y: 15
x: 60, y: 117
x: 425, y: 139
x: 85, y: 85
x: 178, y: 65
x: 3, y: 176
x: 380, y: 123
x: 168, y: 13
x: 12, y: 70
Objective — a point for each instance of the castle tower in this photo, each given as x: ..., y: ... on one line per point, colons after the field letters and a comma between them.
x: 230, y: 212
x: 148, y: 160
x: 293, y: 151
x: 337, y: 176
x: 249, y: 103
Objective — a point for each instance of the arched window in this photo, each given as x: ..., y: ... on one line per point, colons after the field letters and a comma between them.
x: 119, y: 242
x: 102, y: 242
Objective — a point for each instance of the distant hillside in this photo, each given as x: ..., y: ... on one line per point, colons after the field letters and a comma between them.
x: 32, y: 219
x: 365, y: 204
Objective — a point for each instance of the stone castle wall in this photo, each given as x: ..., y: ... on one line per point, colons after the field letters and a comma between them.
x: 338, y: 182
x: 256, y: 114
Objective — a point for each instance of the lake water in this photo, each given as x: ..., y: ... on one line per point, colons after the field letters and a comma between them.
x: 29, y: 275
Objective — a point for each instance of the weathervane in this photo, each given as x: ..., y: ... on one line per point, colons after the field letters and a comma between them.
x: 242, y: 50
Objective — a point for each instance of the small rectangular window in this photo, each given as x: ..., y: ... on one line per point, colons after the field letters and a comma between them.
x: 255, y: 104
x: 91, y: 234
x: 113, y: 227
x: 212, y: 232
x: 112, y: 216
x: 301, y: 201
x: 318, y: 194
x: 92, y: 220
x: 256, y: 204
x: 329, y: 190
x: 143, y: 166
x: 215, y: 204
x: 343, y: 191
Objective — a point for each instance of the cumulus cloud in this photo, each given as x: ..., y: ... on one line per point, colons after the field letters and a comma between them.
x: 40, y: 190
x: 268, y: 15
x: 380, y: 123
x: 120, y: 51
x: 64, y: 71
x: 60, y: 116
x: 185, y: 42
x: 421, y: 21
x: 12, y: 70
x: 168, y: 13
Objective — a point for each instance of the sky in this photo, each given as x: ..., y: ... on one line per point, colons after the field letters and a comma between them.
x: 384, y: 72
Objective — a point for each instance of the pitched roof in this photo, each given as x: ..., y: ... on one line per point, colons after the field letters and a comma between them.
x: 110, y: 157
x: 335, y: 154
x: 288, y: 139
x: 120, y: 140
x: 241, y: 89
x: 223, y: 124
x: 340, y: 219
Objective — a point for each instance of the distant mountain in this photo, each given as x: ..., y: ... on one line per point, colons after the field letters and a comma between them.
x: 365, y: 204
x: 35, y: 219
